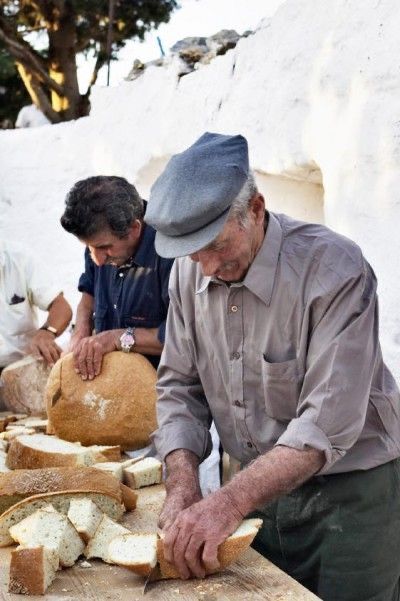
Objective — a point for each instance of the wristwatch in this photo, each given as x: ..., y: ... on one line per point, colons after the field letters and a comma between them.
x: 49, y: 329
x: 127, y: 340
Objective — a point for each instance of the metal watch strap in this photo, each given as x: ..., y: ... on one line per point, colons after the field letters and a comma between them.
x: 128, y: 340
x: 49, y: 329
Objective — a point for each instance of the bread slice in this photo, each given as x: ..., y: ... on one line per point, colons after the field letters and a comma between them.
x: 106, y: 531
x: 85, y: 516
x: 42, y: 450
x: 36, y: 423
x: 106, y: 503
x: 19, y: 484
x: 50, y: 529
x: 228, y: 551
x: 12, y: 432
x: 106, y: 452
x: 143, y: 473
x: 138, y: 552
x: 129, y: 497
x: 3, y: 460
x: 112, y: 467
x: 32, y: 570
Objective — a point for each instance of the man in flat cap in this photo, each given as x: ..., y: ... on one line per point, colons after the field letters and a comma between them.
x: 273, y: 333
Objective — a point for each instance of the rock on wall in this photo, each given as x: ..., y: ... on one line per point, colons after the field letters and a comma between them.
x: 315, y: 91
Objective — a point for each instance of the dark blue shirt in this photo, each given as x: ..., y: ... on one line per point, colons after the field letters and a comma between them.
x: 133, y: 295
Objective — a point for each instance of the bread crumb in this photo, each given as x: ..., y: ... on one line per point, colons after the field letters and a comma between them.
x: 85, y: 564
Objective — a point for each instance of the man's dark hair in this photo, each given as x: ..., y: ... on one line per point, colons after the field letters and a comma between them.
x: 99, y: 203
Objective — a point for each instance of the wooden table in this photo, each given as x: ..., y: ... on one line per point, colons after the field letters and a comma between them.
x: 249, y: 579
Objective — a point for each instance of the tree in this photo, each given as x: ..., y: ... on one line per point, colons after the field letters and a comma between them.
x: 13, y: 95
x: 71, y: 27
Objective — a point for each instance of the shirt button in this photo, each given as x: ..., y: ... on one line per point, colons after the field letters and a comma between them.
x: 249, y: 444
x: 115, y: 306
x: 237, y: 403
x: 121, y: 275
x: 234, y: 308
x: 235, y: 355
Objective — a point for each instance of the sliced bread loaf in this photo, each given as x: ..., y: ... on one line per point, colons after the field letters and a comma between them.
x: 32, y: 570
x: 106, y: 531
x: 106, y: 503
x: 42, y: 450
x: 138, y: 552
x: 19, y: 484
x: 52, y: 530
x: 85, y: 516
x: 145, y: 472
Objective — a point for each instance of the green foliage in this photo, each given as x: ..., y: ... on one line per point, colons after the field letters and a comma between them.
x: 13, y: 95
x: 67, y: 28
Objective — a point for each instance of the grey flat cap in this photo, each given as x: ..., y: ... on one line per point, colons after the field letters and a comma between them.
x: 190, y: 201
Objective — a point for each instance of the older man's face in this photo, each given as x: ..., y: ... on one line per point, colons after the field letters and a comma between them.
x: 230, y: 255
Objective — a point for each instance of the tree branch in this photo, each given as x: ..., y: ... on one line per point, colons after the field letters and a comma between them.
x: 26, y: 55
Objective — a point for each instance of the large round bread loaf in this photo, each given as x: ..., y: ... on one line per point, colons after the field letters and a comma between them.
x: 117, y: 407
x: 23, y: 386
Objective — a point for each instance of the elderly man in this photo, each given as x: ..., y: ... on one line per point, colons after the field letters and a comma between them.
x: 125, y: 284
x: 25, y: 288
x: 273, y: 333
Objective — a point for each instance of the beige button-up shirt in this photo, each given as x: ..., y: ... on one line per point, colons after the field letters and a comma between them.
x: 289, y: 356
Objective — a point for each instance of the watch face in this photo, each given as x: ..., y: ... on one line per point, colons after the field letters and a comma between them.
x: 128, y: 339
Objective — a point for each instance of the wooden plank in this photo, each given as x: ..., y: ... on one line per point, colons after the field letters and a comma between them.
x: 252, y: 578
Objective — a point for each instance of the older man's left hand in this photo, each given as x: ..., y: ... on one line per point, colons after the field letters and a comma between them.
x: 191, y: 542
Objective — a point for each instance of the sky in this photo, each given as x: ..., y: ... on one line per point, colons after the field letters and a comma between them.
x: 194, y: 18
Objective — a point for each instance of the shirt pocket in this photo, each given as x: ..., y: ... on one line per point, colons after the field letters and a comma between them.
x: 22, y: 317
x: 281, y: 384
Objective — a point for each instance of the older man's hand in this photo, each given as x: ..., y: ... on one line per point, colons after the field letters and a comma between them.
x: 88, y: 353
x: 191, y: 542
x: 43, y: 346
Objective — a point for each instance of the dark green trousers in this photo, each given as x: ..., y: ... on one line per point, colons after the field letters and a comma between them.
x: 339, y: 535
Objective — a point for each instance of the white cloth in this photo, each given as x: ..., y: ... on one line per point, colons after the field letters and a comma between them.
x: 23, y: 288
x: 31, y: 116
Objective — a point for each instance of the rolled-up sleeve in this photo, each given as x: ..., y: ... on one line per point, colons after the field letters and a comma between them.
x: 41, y: 290
x: 86, y: 281
x: 342, y: 353
x: 183, y: 414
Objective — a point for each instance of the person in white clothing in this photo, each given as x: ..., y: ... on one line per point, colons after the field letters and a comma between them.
x: 31, y: 116
x: 24, y: 288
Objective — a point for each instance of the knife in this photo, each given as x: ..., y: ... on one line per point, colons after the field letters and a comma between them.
x: 153, y: 577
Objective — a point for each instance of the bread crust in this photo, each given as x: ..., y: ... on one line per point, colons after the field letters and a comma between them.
x: 19, y: 484
x: 129, y: 497
x: 27, y: 575
x: 117, y: 407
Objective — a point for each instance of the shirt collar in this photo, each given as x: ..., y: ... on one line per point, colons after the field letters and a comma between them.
x: 144, y: 255
x: 261, y: 275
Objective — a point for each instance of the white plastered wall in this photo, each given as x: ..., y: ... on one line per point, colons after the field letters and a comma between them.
x: 316, y: 93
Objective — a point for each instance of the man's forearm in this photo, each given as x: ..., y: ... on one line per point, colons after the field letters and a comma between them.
x: 182, y: 469
x: 147, y: 342
x: 271, y: 475
x: 84, y: 316
x: 59, y: 315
